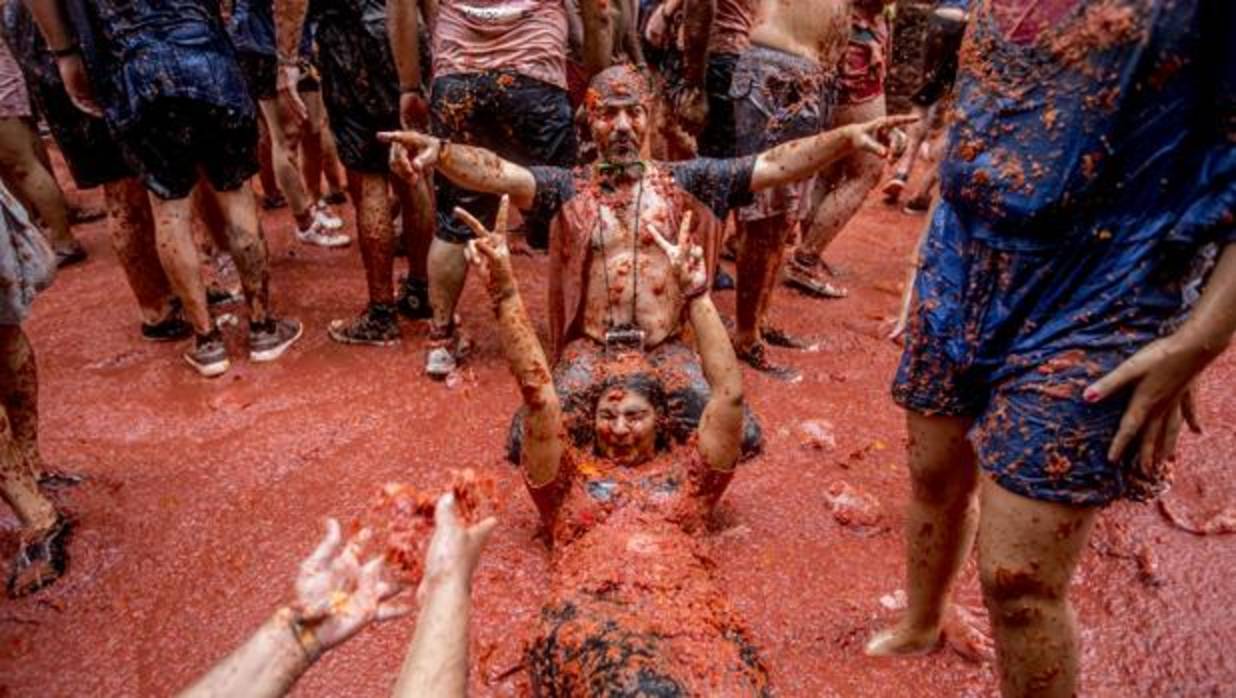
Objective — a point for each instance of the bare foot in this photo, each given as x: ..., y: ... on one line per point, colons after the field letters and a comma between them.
x: 961, y: 631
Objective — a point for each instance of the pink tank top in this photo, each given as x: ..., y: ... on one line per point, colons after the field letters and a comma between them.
x: 528, y: 37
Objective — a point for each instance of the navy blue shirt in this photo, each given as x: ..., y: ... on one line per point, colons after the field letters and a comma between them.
x: 1126, y: 133
x: 138, y: 51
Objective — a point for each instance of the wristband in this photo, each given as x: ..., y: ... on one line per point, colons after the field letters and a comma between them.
x: 418, y: 90
x: 305, y: 638
x: 285, y: 62
x: 70, y: 50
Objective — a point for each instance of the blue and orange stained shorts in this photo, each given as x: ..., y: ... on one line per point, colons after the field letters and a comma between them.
x: 1012, y: 339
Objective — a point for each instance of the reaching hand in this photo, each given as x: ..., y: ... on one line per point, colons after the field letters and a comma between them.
x: 337, y: 595
x: 686, y: 259
x: 873, y: 136
x: 453, y: 550
x: 489, y: 251
x: 286, y: 82
x: 77, y: 84
x: 425, y: 150
x: 1161, y: 376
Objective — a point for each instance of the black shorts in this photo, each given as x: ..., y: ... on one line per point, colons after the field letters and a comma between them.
x: 260, y: 71
x: 90, y: 151
x: 524, y: 120
x: 361, y: 91
x: 175, y: 139
x: 718, y: 137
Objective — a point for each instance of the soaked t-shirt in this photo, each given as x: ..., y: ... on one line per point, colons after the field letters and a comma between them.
x: 1078, y: 120
x: 528, y: 37
x: 139, y: 51
x: 252, y: 28
x: 731, y: 26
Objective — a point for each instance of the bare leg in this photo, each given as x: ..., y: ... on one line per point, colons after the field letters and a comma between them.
x: 266, y: 171
x: 33, y: 183
x: 311, y: 145
x: 179, y: 256
x: 247, y: 246
x: 841, y: 193
x: 285, y: 137
x: 1028, y: 551
x: 448, y: 270
x: 761, y: 245
x: 332, y: 167
x: 133, y: 238
x: 940, y: 524
x: 18, y: 472
x: 416, y: 202
x: 373, y: 224
x: 916, y: 134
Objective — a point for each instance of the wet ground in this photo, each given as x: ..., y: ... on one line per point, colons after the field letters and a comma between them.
x: 202, y: 496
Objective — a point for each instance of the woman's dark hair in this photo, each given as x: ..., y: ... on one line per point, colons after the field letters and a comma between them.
x: 646, y: 386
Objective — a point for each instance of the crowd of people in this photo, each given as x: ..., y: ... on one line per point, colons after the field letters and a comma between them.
x: 1076, y: 274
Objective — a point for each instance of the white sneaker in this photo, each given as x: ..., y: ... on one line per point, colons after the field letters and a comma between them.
x: 318, y: 234
x: 322, y: 213
x: 439, y: 363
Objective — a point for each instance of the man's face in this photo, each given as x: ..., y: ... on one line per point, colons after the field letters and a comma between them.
x: 619, y: 128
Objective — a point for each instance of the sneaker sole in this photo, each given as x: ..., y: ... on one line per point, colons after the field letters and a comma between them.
x: 329, y: 246
x: 344, y: 339
x: 213, y: 370
x: 275, y: 352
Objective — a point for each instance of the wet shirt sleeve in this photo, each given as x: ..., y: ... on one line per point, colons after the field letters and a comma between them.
x: 721, y: 184
x: 554, y: 187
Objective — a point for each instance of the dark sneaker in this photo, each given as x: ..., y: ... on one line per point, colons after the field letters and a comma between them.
x: 375, y: 327
x: 42, y: 560
x: 173, y: 328
x: 756, y: 357
x: 413, y: 300
x: 216, y: 296
x: 67, y: 257
x: 722, y: 281
x: 269, y: 340
x: 892, y: 188
x: 208, y: 355
x: 780, y: 338
x: 270, y: 203
x: 917, y: 205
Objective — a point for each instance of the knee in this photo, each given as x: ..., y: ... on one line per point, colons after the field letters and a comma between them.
x: 1017, y: 595
x: 944, y: 484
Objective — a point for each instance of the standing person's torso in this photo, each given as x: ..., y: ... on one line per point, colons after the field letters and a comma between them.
x: 134, y: 25
x: 814, y: 29
x: 528, y: 37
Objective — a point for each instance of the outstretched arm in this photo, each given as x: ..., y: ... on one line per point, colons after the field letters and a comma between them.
x: 720, y: 430
x: 336, y: 596
x: 1160, y: 375
x: 437, y: 660
x: 469, y: 167
x: 801, y: 158
x: 542, y: 446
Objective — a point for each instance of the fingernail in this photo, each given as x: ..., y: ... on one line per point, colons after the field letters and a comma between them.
x: 1090, y: 395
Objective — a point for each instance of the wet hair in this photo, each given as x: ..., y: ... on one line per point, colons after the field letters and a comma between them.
x: 647, y: 386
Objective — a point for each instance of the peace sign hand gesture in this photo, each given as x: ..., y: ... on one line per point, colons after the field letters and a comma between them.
x: 686, y: 259
x: 489, y: 252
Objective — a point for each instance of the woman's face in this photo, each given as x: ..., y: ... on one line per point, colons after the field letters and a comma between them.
x: 626, y: 426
